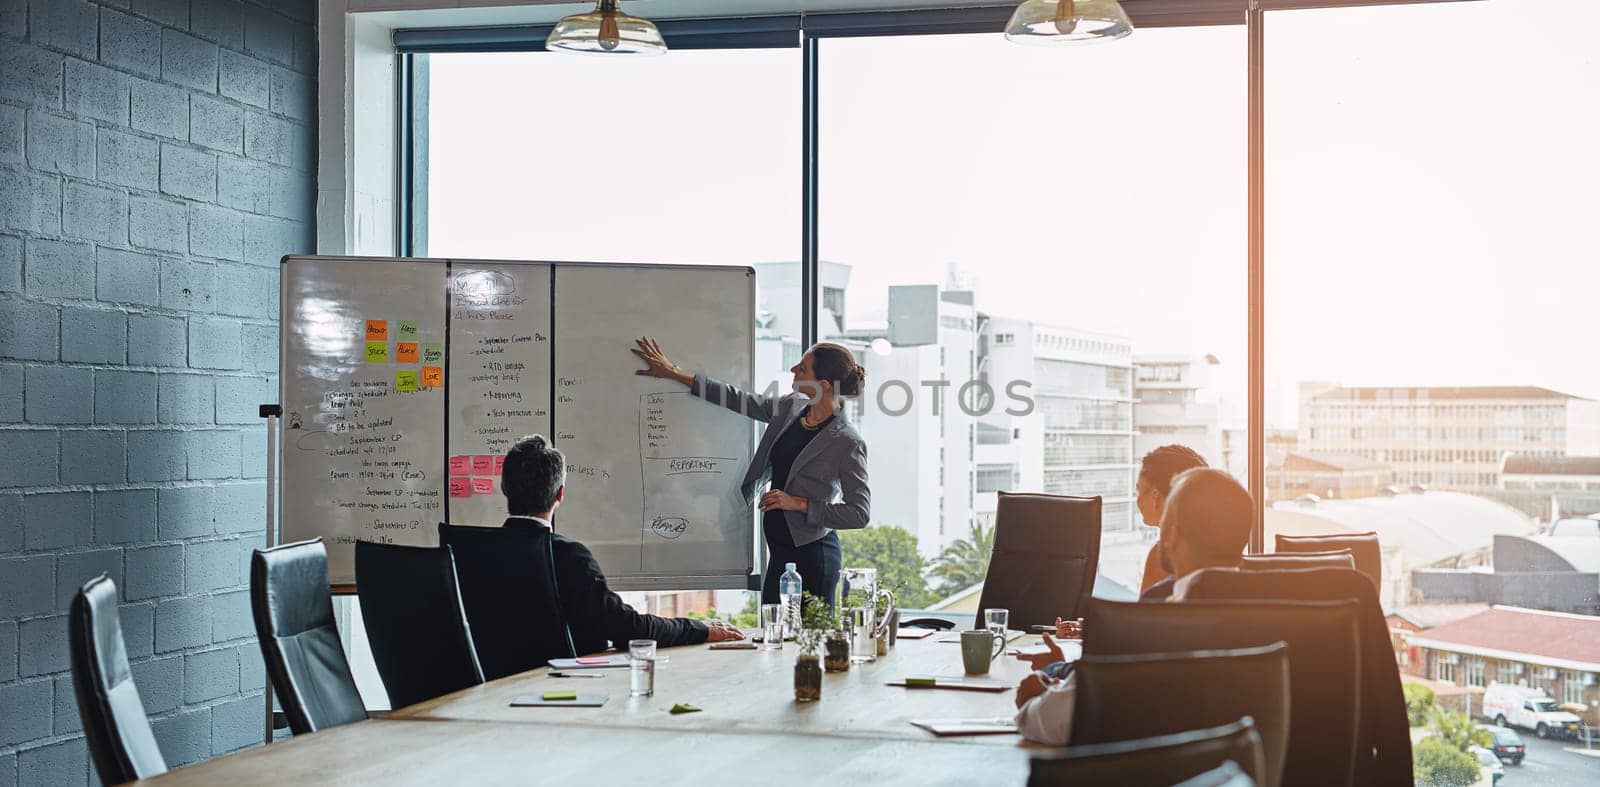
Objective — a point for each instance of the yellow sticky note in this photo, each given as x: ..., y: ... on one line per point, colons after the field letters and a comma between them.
x: 433, y: 377
x: 405, y: 380
x: 406, y: 352
x: 377, y: 330
x: 377, y: 352
x: 407, y: 330
x: 432, y: 352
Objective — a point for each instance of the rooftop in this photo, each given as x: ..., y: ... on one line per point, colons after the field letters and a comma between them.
x: 1520, y: 464
x: 1557, y: 639
x: 1426, y: 527
x: 1329, y: 460
x: 1390, y: 393
x: 1427, y: 616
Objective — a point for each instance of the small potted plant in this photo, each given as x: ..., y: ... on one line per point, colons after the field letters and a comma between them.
x: 815, y: 622
x: 835, y: 643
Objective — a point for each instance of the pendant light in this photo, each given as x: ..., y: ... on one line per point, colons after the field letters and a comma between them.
x: 1051, y: 22
x: 606, y: 31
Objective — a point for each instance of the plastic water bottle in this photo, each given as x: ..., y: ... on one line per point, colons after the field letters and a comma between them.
x: 789, y: 595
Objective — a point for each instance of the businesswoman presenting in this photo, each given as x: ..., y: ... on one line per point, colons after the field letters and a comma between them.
x: 814, y: 458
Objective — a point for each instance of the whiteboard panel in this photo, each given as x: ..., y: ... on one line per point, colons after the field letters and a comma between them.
x: 499, y: 378
x: 653, y: 473
x: 362, y: 448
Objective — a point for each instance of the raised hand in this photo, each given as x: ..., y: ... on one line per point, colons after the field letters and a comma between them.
x: 657, y: 364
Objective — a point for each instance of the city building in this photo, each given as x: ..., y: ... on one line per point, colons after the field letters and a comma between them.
x: 1560, y: 485
x: 1556, y: 652
x: 1560, y: 573
x: 1078, y: 437
x: 1174, y: 401
x: 1326, y: 475
x: 1447, y: 438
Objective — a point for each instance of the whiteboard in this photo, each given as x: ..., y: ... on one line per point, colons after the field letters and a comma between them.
x: 382, y: 441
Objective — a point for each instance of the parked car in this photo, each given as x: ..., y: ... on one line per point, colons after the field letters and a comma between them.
x: 1489, y: 763
x: 1530, y: 709
x: 1506, y: 744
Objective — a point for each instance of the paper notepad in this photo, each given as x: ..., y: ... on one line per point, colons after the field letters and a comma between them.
x: 957, y: 684
x: 913, y: 633
x: 618, y: 661
x: 553, y: 699
x: 942, y: 727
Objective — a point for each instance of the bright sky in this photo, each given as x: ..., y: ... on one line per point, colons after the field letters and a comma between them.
x: 1432, y: 181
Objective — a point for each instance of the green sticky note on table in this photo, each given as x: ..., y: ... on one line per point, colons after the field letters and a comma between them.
x: 568, y: 694
x: 682, y: 708
x: 432, y: 352
x: 377, y: 352
x: 408, y: 330
x: 405, y: 380
x: 921, y: 682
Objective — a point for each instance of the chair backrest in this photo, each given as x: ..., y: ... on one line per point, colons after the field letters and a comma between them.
x: 1324, y: 664
x: 118, y: 734
x: 411, y: 606
x: 1147, y: 762
x: 1385, y: 729
x: 1194, y: 690
x: 1278, y: 561
x: 293, y: 612
x: 1364, y: 548
x: 508, y: 586
x: 1046, y: 552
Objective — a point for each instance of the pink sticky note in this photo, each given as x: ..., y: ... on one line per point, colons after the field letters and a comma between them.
x: 461, y: 487
x: 499, y: 464
x: 460, y: 465
x: 594, y: 660
x: 482, y: 465
x: 482, y: 486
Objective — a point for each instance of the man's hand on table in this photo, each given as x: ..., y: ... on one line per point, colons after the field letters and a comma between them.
x: 1032, y: 686
x: 1051, y: 655
x: 719, y: 631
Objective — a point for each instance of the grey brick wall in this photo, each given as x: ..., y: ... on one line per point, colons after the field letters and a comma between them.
x: 155, y: 162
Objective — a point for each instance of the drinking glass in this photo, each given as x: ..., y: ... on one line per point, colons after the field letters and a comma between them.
x: 995, y: 620
x: 863, y: 644
x: 641, y: 667
x: 772, y: 626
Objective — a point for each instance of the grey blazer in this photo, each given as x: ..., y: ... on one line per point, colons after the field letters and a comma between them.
x: 830, y: 472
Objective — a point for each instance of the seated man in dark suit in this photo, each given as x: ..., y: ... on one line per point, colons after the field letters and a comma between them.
x: 534, y: 484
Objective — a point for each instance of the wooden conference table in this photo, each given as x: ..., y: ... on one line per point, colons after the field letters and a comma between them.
x: 749, y: 727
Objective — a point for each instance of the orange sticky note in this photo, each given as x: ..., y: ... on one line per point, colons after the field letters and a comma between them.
x: 482, y: 465
x: 433, y: 377
x: 461, y: 487
x: 377, y: 330
x: 482, y: 486
x: 407, y: 352
x: 460, y: 465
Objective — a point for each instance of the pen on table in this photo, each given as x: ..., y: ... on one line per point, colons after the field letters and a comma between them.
x: 573, y: 675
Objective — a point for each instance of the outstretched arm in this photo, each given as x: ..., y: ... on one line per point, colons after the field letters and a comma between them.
x: 761, y: 408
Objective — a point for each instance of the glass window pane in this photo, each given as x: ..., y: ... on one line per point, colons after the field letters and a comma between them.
x: 1015, y: 228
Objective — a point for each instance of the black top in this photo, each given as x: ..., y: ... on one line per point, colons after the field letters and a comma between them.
x: 784, y: 452
x: 597, y: 617
x: 1160, y: 591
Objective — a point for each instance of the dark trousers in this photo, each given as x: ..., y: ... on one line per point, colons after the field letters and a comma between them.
x: 818, y: 562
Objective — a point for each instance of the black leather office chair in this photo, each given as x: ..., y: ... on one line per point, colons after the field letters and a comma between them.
x: 508, y: 587
x: 1324, y: 664
x: 1279, y: 561
x: 121, y: 742
x: 1385, y: 730
x: 1046, y: 552
x: 1159, y: 761
x: 300, y: 644
x: 411, y: 605
x: 1197, y: 690
x: 1364, y: 547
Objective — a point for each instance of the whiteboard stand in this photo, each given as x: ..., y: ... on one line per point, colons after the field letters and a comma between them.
x: 271, y: 412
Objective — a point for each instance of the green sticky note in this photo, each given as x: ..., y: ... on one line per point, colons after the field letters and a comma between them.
x: 682, y: 708
x: 408, y: 330
x: 432, y: 352
x: 568, y: 694
x: 921, y: 682
x: 377, y: 352
x: 405, y: 380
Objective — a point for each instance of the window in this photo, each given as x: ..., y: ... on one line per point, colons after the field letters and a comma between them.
x: 1572, y: 685
x: 1475, y: 672
x: 1507, y: 672
x: 1444, y: 667
x: 994, y: 478
x: 1542, y: 678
